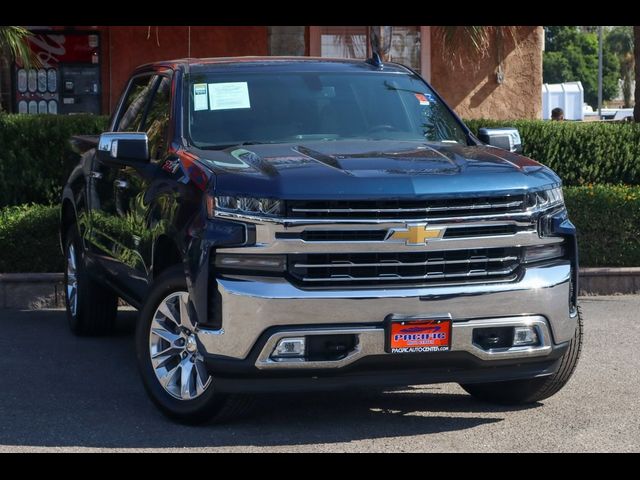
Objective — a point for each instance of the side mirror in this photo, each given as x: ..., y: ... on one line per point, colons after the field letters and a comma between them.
x: 505, y: 138
x: 123, y: 147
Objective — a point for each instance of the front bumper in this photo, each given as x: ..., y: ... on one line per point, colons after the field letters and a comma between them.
x: 257, y: 310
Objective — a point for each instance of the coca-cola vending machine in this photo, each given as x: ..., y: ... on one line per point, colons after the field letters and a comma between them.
x: 67, y: 82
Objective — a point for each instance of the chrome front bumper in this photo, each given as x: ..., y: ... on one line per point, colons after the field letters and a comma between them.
x: 251, y: 305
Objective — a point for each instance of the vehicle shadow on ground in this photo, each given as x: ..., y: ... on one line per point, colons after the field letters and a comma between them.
x: 64, y: 391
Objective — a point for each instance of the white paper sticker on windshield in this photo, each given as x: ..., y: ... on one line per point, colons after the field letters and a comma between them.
x: 200, y: 96
x: 229, y: 95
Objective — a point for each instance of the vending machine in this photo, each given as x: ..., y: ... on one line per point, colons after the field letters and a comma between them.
x: 67, y: 82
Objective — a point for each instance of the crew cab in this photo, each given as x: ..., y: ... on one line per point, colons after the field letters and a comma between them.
x: 287, y: 224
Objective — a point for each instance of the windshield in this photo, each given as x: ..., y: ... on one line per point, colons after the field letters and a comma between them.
x: 232, y: 109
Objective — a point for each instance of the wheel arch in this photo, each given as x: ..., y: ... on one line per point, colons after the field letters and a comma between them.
x: 165, y: 255
x: 68, y: 217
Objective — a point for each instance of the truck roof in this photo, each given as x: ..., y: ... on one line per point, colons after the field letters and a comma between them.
x: 281, y: 62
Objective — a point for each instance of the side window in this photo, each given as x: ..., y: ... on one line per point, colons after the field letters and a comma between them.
x: 134, y: 104
x: 157, y: 119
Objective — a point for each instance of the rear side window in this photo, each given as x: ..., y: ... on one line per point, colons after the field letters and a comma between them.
x: 133, y: 109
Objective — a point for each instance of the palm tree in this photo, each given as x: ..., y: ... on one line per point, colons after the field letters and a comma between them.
x: 620, y: 41
x: 14, y: 44
x: 460, y: 41
x: 636, y: 42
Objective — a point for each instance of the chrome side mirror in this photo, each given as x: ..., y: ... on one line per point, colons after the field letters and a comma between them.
x: 505, y: 138
x: 123, y: 147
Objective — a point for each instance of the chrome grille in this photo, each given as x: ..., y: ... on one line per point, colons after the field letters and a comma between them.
x: 364, y: 269
x: 404, y: 209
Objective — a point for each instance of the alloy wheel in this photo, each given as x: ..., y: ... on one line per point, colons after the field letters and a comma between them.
x: 72, y: 280
x: 173, y: 347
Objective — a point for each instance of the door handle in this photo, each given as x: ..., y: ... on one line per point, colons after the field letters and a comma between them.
x: 121, y: 184
x: 96, y: 175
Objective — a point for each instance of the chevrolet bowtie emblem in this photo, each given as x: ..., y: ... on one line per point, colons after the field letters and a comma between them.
x: 415, y: 234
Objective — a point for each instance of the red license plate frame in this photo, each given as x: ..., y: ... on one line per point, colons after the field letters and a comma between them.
x: 424, y: 335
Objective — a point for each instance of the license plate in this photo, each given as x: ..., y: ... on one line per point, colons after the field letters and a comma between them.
x: 419, y: 336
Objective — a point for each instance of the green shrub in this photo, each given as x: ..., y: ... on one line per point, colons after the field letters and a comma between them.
x: 29, y: 239
x: 36, y: 157
x: 579, y: 152
x: 608, y: 222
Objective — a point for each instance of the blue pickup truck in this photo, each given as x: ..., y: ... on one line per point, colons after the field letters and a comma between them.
x: 287, y: 224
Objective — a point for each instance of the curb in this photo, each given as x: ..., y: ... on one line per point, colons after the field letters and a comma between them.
x: 46, y: 290
x: 31, y: 290
x: 609, y: 281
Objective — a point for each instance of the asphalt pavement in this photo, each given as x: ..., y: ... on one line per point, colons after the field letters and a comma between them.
x: 63, y: 393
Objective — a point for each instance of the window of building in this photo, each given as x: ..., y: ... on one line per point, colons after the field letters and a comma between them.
x: 410, y: 45
x: 339, y: 42
x: 405, y: 46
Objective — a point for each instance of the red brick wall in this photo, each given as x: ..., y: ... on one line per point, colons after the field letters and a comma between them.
x: 124, y: 48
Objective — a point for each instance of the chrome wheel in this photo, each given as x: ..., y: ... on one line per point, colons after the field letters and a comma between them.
x: 173, y: 347
x: 72, y: 280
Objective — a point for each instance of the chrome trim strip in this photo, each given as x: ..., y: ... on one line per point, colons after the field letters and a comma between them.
x: 524, y: 217
x: 400, y: 210
x: 267, y: 243
x: 398, y: 263
x: 371, y: 341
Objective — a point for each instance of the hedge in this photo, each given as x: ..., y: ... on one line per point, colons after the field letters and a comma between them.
x: 608, y: 223
x: 607, y: 219
x: 29, y: 239
x: 36, y: 157
x: 579, y: 152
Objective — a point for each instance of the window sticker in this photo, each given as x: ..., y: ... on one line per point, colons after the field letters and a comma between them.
x: 228, y: 96
x: 200, y: 97
x: 422, y: 99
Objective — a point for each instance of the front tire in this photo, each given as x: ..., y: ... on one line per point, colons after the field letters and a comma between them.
x: 169, y: 358
x: 91, y: 307
x: 532, y: 390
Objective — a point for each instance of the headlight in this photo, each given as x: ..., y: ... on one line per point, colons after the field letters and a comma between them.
x: 251, y: 205
x: 544, y: 199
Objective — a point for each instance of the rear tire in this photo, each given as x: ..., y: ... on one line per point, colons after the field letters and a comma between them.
x: 188, y: 393
x: 532, y: 390
x: 91, y: 307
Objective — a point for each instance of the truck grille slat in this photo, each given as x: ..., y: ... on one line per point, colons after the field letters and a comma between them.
x: 394, y: 263
x: 405, y: 209
x: 362, y: 269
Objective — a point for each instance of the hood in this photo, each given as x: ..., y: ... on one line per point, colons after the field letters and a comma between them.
x: 371, y: 169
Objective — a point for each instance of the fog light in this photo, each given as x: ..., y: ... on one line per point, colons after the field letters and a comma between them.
x: 523, y: 336
x: 290, y: 347
x: 544, y: 252
x: 243, y: 261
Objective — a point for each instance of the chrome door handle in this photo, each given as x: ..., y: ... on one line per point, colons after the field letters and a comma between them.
x: 96, y: 175
x: 121, y: 184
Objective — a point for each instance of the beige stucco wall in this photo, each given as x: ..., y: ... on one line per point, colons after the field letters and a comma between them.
x: 473, y: 90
